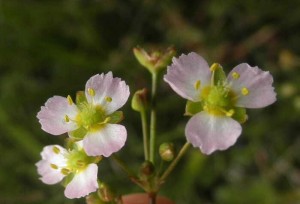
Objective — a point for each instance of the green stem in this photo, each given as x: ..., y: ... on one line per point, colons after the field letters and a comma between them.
x: 174, y: 162
x: 128, y: 171
x: 145, y: 134
x: 153, y: 118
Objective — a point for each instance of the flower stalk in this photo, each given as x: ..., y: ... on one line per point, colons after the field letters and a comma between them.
x: 153, y: 118
x: 173, y: 164
x: 145, y: 134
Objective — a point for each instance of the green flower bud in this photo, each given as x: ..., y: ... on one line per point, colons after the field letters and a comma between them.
x: 104, y: 193
x: 155, y: 60
x: 166, y: 151
x: 139, y: 100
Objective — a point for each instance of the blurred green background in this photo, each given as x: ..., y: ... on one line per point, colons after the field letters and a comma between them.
x: 51, y: 47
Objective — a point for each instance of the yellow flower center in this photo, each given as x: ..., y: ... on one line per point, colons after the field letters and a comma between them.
x: 218, y: 100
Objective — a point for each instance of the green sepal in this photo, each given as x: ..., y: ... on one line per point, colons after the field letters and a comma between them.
x: 105, y: 193
x: 67, y: 179
x: 116, y: 117
x: 240, y: 115
x: 166, y: 58
x: 80, y: 97
x: 219, y: 75
x: 192, y: 108
x: 93, y: 198
x: 156, y: 60
x: 78, y: 134
x: 143, y: 58
x: 70, y: 143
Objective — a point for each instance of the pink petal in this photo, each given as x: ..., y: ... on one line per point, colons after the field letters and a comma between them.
x: 52, y: 115
x: 49, y: 154
x: 105, y: 86
x: 259, y: 84
x: 109, y: 139
x: 83, y: 183
x: 184, y: 72
x: 48, y: 174
x: 211, y: 133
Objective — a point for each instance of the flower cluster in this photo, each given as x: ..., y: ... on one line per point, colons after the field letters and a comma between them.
x: 91, y: 126
x: 216, y: 103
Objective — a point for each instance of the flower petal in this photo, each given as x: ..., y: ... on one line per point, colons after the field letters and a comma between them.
x: 54, y: 153
x: 83, y: 183
x: 109, y: 139
x: 52, y: 115
x: 257, y: 84
x: 187, y: 71
x: 211, y: 133
x: 50, y: 175
x: 110, y: 93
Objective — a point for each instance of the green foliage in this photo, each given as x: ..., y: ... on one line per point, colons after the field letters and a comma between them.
x: 52, y: 47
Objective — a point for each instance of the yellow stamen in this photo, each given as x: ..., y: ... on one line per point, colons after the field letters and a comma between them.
x: 65, y: 171
x: 214, y: 67
x: 67, y: 119
x: 108, y: 99
x: 197, y: 85
x: 56, y: 150
x: 230, y: 113
x: 235, y: 75
x: 245, y: 91
x: 91, y: 91
x: 53, y: 166
x: 70, y: 101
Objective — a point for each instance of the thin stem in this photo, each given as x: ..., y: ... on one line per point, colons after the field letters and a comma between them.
x: 123, y: 166
x: 153, y: 118
x: 126, y: 169
x: 175, y: 161
x: 152, y: 198
x: 145, y: 134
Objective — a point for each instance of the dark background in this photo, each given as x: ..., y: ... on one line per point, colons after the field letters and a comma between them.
x: 51, y: 47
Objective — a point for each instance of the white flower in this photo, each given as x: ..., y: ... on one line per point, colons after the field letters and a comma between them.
x: 217, y: 102
x: 93, y: 118
x: 58, y: 163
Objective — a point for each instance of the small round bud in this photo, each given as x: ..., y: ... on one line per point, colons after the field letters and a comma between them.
x: 139, y: 100
x: 166, y: 151
x: 147, y: 168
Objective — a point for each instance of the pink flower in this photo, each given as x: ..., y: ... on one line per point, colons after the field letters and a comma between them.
x: 81, y: 173
x: 217, y: 103
x: 92, y: 119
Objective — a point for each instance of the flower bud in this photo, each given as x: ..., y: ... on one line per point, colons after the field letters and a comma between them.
x: 104, y: 193
x: 147, y: 169
x: 155, y: 60
x: 166, y: 151
x: 139, y: 100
